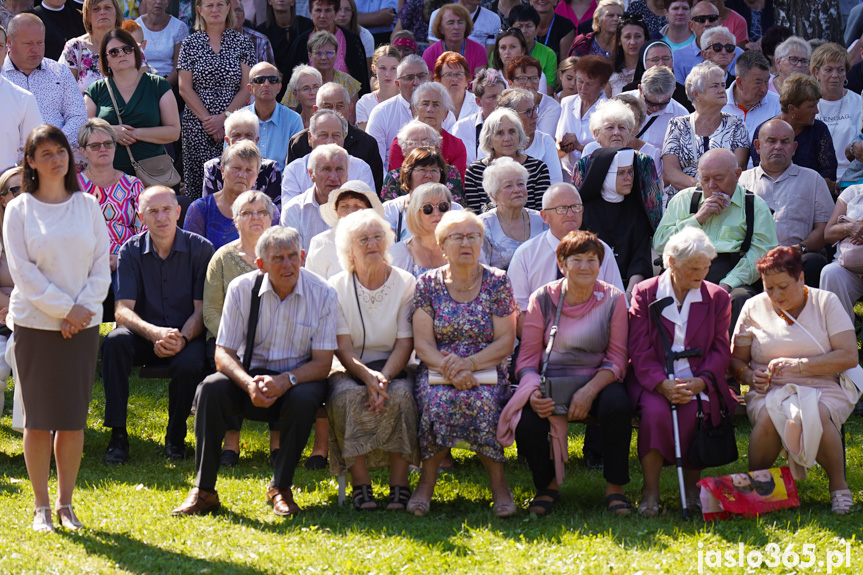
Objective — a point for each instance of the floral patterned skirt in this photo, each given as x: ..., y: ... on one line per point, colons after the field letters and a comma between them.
x: 453, y: 418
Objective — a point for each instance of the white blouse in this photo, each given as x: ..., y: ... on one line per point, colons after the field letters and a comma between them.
x: 59, y: 256
x: 385, y: 312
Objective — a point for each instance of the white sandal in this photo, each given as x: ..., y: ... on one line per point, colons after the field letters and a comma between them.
x: 68, y: 520
x: 42, y: 520
x: 841, y: 501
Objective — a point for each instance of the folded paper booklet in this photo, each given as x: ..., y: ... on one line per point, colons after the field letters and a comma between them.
x: 483, y: 377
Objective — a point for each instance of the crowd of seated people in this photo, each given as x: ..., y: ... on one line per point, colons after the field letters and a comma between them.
x: 387, y: 226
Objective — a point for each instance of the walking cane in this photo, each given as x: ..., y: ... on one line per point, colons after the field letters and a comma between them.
x: 670, y: 357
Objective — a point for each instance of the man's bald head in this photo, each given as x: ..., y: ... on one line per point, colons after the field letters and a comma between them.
x: 701, y: 10
x: 776, y: 146
x: 718, y: 171
x: 153, y: 193
x: 22, y: 21
x: 704, y: 8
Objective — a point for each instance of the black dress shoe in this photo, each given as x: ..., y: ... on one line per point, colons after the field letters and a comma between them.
x: 229, y: 458
x: 175, y: 452
x: 118, y: 450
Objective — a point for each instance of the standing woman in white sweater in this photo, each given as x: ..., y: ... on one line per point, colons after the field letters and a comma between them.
x: 58, y: 251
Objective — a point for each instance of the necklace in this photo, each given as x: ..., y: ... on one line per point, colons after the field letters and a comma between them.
x: 784, y: 315
x: 427, y: 255
x: 464, y: 290
x: 525, y: 229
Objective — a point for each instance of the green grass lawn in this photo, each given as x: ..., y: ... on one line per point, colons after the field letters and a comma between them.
x: 129, y: 528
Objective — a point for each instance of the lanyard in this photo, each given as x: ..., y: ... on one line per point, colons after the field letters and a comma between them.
x: 550, y: 26
x: 463, y: 45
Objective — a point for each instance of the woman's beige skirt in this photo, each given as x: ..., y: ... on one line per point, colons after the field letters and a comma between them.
x: 56, y: 377
x: 355, y: 431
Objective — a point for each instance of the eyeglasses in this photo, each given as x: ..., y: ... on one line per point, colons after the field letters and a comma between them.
x: 247, y: 214
x: 114, y: 52
x: 422, y: 77
x: 14, y: 190
x: 795, y: 61
x: 377, y: 238
x: 562, y: 210
x: 718, y: 47
x: 706, y: 18
x: 473, y: 238
x: 526, y: 79
x: 273, y: 80
x: 660, y: 60
x: 95, y: 146
x: 626, y: 172
x: 442, y: 207
x: 324, y: 53
x: 453, y: 76
x: 420, y: 143
x: 427, y: 172
x: 530, y: 112
x: 308, y: 89
x: 657, y: 105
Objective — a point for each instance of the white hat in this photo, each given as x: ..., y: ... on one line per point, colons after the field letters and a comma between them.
x: 328, y: 210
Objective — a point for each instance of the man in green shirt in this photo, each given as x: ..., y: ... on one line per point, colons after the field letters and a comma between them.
x: 526, y: 18
x: 721, y: 213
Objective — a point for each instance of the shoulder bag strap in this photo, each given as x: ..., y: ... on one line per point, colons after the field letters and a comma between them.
x: 254, y: 311
x: 646, y: 126
x: 553, y: 331
x: 119, y: 118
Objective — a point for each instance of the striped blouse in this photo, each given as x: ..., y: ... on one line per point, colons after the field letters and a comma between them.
x: 119, y: 205
x: 476, y: 198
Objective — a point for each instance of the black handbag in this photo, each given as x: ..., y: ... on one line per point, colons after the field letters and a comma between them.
x: 560, y: 389
x: 713, y: 446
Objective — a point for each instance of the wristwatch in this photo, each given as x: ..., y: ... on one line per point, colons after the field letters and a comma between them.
x: 293, y: 379
x: 803, y: 248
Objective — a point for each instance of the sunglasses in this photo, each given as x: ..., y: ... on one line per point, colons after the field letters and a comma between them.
x: 428, y: 209
x: 718, y: 47
x: 14, y: 190
x: 114, y: 52
x: 706, y: 18
x: 656, y: 104
x: 95, y: 146
x: 273, y: 80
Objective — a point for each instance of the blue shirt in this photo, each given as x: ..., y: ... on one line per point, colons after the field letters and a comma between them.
x: 164, y: 291
x: 275, y: 133
x: 687, y: 57
x: 367, y: 6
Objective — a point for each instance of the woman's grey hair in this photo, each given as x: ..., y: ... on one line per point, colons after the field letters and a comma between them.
x: 601, y: 8
x: 696, y: 81
x: 412, y: 127
x: 411, y: 59
x: 422, y: 90
x: 327, y: 151
x: 250, y: 197
x: 636, y: 106
x: 242, y: 117
x: 611, y: 111
x: 320, y: 39
x: 453, y: 218
x: 324, y: 113
x: 95, y: 126
x: 348, y: 228
x: 492, y: 125
x: 513, y: 97
x: 301, y: 71
x: 277, y: 237
x: 484, y: 78
x: 497, y: 171
x: 685, y: 244
x: 711, y: 36
x: 658, y: 82
x: 783, y: 49
x: 242, y: 150
x: 422, y: 195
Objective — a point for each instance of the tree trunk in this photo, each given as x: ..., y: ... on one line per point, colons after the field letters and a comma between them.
x: 811, y: 18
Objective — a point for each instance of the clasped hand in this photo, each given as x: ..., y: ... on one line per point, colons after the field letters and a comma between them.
x: 126, y: 135
x: 76, y: 320
x: 712, y: 206
x: 169, y: 343
x: 855, y: 229
x: 568, y: 143
x: 264, y: 390
x: 376, y: 385
x: 682, y: 390
x: 458, y: 371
